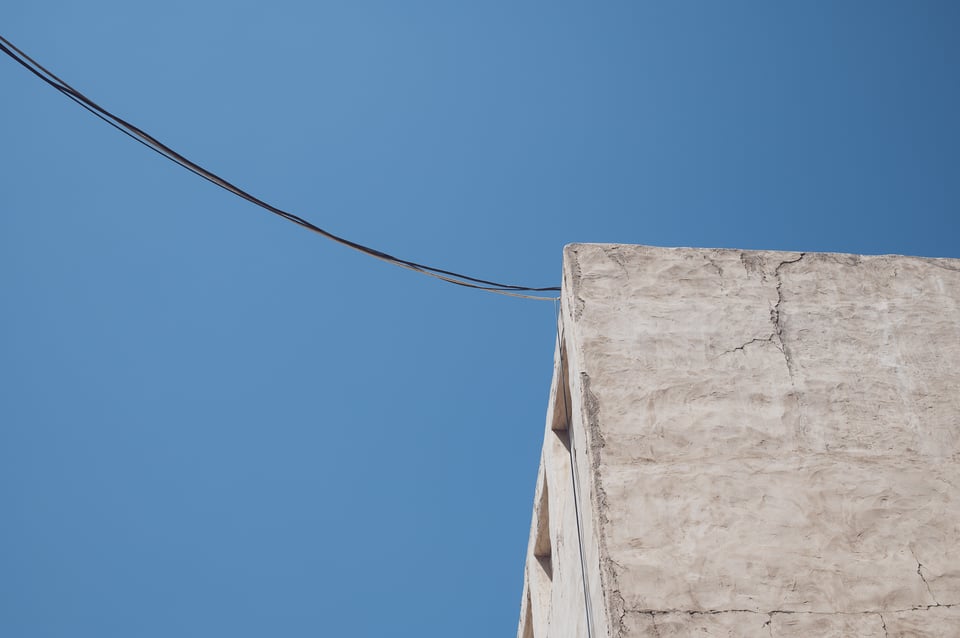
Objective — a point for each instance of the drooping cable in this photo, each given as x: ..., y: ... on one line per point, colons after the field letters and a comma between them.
x: 155, y: 145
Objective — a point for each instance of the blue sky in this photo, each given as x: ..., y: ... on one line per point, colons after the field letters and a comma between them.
x: 215, y: 423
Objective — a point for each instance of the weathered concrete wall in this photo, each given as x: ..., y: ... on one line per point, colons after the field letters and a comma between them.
x: 768, y: 443
x: 559, y: 581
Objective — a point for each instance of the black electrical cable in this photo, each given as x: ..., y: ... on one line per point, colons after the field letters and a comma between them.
x: 155, y: 145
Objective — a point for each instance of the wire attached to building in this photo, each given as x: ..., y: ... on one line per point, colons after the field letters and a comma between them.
x: 155, y: 145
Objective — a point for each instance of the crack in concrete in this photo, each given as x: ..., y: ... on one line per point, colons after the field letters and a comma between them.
x: 771, y: 339
x: 923, y: 578
x: 653, y: 619
x: 776, y: 337
x: 707, y: 612
x: 777, y: 320
x: 653, y: 613
x: 775, y: 317
x: 712, y: 612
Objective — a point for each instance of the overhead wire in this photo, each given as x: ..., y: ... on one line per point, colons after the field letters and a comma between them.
x: 162, y: 149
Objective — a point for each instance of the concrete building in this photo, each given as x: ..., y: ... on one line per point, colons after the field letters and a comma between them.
x: 749, y: 444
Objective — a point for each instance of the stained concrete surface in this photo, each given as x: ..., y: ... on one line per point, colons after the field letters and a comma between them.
x: 765, y: 443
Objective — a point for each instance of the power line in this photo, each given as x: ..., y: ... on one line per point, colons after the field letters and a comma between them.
x: 162, y: 149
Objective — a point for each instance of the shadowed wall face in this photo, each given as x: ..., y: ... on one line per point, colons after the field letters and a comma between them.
x: 771, y: 440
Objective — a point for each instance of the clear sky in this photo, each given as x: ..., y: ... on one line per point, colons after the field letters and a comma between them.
x: 213, y: 423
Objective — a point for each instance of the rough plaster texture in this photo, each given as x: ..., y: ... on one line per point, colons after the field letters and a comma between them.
x: 764, y: 444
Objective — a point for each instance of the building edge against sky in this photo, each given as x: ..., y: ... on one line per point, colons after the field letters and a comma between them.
x: 749, y: 443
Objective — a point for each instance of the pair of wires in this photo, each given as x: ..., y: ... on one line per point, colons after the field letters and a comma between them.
x: 155, y: 145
